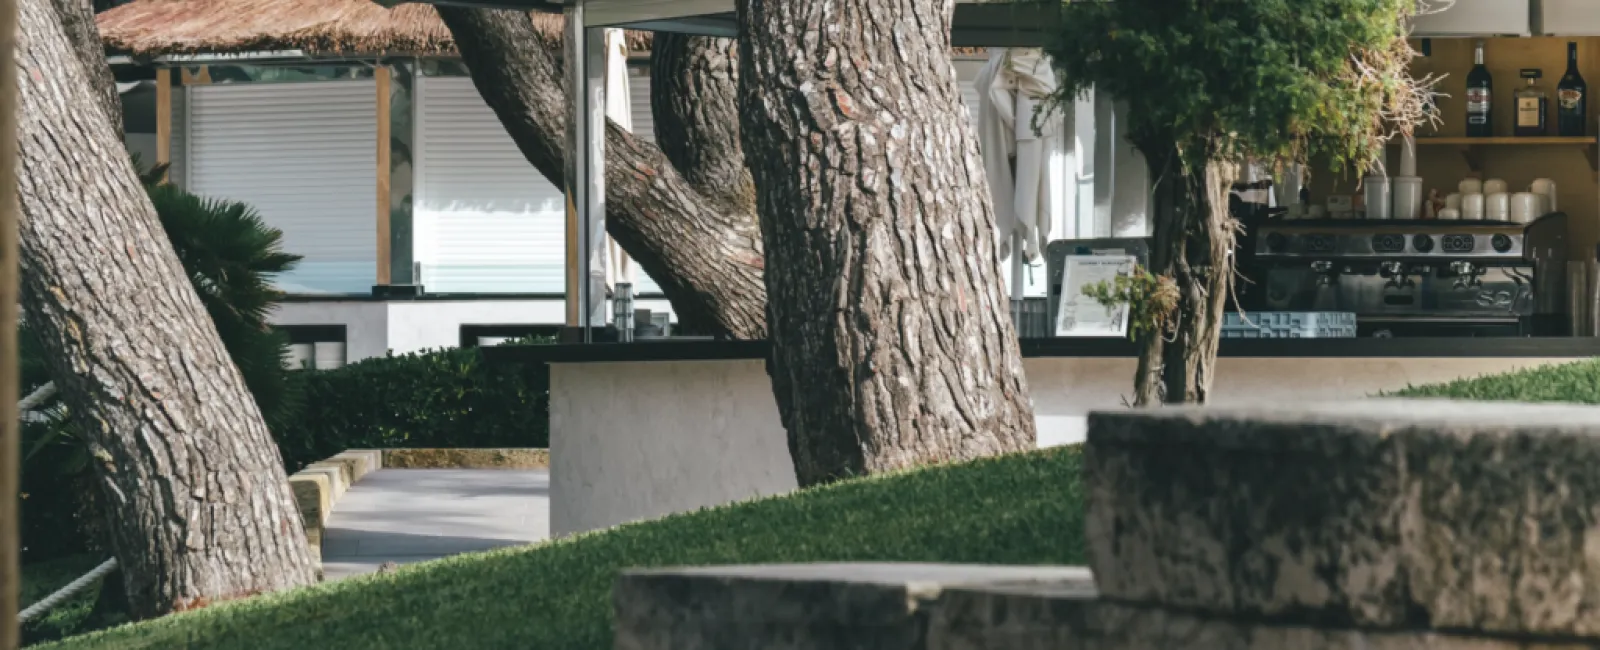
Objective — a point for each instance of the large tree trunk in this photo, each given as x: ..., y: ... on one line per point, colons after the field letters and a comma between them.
x: 1194, y: 240
x: 694, y: 98
x: 892, y: 346
x: 77, y: 22
x: 200, y: 507
x: 703, y: 250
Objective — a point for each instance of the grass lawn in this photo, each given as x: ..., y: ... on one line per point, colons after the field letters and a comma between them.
x: 1573, y: 382
x: 40, y: 579
x: 1022, y: 509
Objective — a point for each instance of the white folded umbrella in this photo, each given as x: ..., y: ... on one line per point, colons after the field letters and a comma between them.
x: 1023, y: 157
x: 619, y: 108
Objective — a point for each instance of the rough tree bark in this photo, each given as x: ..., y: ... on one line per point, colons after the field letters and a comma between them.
x: 201, y: 506
x: 694, y: 98
x: 77, y: 22
x: 891, y: 342
x: 1194, y: 242
x: 702, y: 249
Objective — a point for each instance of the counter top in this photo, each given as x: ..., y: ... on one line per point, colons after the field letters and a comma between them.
x: 701, y: 350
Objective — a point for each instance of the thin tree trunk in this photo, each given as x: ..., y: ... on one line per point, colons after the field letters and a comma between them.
x: 703, y: 251
x: 1193, y: 244
x: 200, y: 506
x: 892, y: 346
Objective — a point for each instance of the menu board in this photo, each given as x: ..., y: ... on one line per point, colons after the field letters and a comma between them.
x: 1082, y: 316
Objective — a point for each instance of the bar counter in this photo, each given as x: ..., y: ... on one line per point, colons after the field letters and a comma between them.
x: 646, y: 429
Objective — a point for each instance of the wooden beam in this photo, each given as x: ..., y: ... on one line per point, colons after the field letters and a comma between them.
x: 383, y: 74
x: 10, y: 368
x: 164, y: 118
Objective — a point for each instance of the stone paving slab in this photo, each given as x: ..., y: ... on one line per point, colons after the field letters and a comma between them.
x: 413, y: 515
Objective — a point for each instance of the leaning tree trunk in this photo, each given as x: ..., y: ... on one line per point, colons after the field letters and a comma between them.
x: 702, y: 249
x: 200, y: 507
x: 83, y: 35
x: 1194, y: 240
x: 891, y: 342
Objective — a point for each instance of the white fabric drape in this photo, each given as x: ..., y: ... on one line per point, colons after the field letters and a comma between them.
x: 1012, y: 86
x: 619, y: 109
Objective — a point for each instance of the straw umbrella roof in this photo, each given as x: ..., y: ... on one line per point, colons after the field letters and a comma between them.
x: 317, y: 27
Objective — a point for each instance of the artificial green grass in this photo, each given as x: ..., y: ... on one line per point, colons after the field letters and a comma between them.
x: 1020, y: 509
x: 1574, y: 382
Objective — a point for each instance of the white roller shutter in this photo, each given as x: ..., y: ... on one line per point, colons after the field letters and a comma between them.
x: 486, y: 220
x: 644, y: 121
x: 305, y: 156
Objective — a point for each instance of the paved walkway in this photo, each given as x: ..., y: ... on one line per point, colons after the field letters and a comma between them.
x: 413, y: 515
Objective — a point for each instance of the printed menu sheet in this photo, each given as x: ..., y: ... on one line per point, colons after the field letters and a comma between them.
x: 1082, y: 316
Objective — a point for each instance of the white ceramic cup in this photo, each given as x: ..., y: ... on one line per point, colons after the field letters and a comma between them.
x: 1543, y: 207
x: 1453, y: 201
x: 1495, y: 186
x: 1471, y: 186
x: 1546, y: 187
x: 1524, y: 207
x: 1472, y: 207
x: 1407, y: 191
x: 1450, y: 214
x: 1497, y: 206
x: 1377, y: 197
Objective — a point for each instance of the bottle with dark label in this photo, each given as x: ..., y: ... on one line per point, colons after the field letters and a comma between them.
x: 1480, y: 98
x: 1572, y: 98
x: 1533, y: 106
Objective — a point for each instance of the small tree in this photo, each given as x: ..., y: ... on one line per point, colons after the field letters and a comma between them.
x: 1211, y: 85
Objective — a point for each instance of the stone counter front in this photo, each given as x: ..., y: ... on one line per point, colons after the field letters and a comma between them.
x: 640, y: 439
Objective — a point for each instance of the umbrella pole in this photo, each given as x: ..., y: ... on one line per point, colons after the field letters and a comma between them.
x: 1016, y: 281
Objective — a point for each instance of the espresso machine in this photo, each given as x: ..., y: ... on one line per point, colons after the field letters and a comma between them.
x: 1408, y: 278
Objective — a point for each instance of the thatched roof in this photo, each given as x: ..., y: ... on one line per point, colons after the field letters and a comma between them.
x: 318, y: 27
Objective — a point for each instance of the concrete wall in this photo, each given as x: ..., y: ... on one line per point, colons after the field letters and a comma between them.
x: 373, y: 328
x: 639, y: 440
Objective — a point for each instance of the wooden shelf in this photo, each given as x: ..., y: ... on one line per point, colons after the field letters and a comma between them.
x: 1503, y: 141
x: 1471, y: 148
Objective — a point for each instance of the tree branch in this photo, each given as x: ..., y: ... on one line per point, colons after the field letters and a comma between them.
x: 704, y: 253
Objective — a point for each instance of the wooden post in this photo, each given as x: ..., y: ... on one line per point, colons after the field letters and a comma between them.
x: 164, y: 118
x: 10, y: 366
x: 384, y: 76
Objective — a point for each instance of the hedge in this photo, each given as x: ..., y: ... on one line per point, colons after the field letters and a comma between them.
x: 436, y: 398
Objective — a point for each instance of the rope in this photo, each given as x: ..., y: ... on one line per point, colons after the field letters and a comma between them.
x: 68, y: 591
x: 37, y: 397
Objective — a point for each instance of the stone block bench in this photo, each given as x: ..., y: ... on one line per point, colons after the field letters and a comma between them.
x: 1379, y: 524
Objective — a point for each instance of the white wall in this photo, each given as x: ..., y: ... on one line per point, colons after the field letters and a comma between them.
x: 640, y: 440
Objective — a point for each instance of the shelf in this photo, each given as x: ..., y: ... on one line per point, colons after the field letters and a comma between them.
x: 1471, y: 147
x: 1504, y: 141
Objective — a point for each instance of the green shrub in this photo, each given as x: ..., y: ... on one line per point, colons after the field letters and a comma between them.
x: 437, y: 398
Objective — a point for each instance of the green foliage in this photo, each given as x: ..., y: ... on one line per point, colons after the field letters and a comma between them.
x: 1575, y: 382
x: 1152, y: 300
x: 1024, y: 509
x: 231, y: 256
x: 40, y: 579
x: 1269, y: 80
x: 440, y: 398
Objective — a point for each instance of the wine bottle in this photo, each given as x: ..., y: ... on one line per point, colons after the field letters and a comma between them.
x: 1480, y: 98
x: 1533, y: 107
x: 1572, y: 98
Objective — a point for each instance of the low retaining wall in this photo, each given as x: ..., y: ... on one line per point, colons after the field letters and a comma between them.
x: 321, y: 484
x: 1387, y: 525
